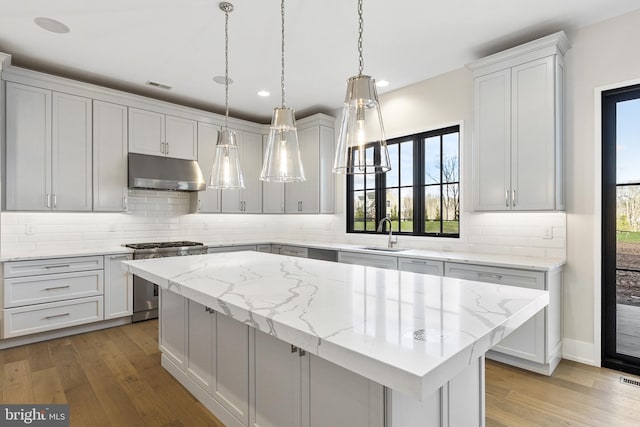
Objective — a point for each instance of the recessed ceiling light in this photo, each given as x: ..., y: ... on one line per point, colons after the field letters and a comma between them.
x: 263, y: 93
x: 382, y: 83
x: 51, y: 25
x: 222, y: 80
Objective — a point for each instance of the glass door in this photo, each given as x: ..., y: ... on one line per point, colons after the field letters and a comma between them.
x: 621, y: 229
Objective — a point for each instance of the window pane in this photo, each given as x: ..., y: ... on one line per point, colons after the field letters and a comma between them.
x: 432, y: 209
x: 393, y: 208
x: 370, y: 211
x: 450, y: 157
x: 432, y: 160
x: 406, y: 209
x: 451, y: 208
x: 358, y: 182
x: 406, y: 163
x: 358, y: 210
x: 392, y: 175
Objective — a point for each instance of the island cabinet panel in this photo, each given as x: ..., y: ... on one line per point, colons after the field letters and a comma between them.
x: 337, y: 396
x: 277, y: 383
x: 200, y: 331
x: 456, y: 403
x: 173, y: 322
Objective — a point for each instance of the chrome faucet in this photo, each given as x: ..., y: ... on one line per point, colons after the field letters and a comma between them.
x: 392, y: 241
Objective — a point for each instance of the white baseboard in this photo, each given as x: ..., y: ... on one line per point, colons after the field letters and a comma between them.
x: 579, y: 351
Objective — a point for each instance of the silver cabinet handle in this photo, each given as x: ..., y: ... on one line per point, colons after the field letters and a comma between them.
x: 48, y: 197
x: 162, y: 147
x: 491, y: 275
x: 57, y: 315
x: 166, y: 148
x: 55, y: 201
x: 57, y: 266
x: 57, y: 287
x: 199, y: 205
x: 301, y: 352
x: 125, y: 204
x: 513, y: 198
x: 506, y: 198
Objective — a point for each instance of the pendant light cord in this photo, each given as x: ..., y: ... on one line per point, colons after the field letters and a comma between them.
x: 282, y: 53
x: 360, y: 25
x: 226, y: 69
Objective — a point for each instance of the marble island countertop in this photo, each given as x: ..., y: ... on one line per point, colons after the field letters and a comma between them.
x: 409, y: 332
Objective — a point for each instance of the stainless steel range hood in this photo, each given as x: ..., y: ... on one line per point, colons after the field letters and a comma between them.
x: 164, y: 173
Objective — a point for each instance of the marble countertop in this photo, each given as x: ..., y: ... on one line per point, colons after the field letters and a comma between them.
x: 495, y: 260
x: 407, y: 331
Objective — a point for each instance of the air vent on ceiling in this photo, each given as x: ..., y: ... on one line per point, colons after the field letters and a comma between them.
x: 630, y: 381
x: 158, y: 85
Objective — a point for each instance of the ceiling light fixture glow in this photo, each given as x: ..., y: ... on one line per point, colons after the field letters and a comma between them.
x: 282, y: 157
x: 382, y: 83
x: 51, y: 25
x: 263, y: 93
x: 225, y: 170
x: 361, y: 126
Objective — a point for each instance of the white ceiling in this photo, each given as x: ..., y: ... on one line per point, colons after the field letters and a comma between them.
x: 124, y: 43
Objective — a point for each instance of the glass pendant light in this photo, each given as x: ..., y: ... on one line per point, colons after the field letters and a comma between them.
x: 361, y: 126
x: 282, y: 158
x: 225, y: 170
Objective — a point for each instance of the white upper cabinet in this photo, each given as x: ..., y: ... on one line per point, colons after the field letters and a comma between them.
x: 248, y: 199
x: 209, y: 199
x: 518, y: 127
x: 49, y: 150
x: 159, y: 134
x: 109, y: 157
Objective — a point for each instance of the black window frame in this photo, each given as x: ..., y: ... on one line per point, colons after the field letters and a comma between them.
x: 419, y: 186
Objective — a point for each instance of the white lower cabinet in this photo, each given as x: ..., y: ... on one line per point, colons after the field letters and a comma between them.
x: 424, y: 266
x: 248, y: 378
x: 536, y: 345
x: 118, y: 289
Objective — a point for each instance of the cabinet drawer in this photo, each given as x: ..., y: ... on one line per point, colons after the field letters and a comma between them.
x: 54, y: 315
x: 51, y: 287
x: 240, y: 248
x: 52, y: 265
x: 292, y: 251
x: 380, y: 261
x: 501, y: 276
x: 424, y: 266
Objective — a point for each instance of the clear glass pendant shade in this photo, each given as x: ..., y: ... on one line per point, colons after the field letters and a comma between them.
x: 225, y: 171
x: 361, y: 127
x: 282, y: 156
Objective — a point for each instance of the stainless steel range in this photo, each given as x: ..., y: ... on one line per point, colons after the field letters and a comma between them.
x: 145, y: 293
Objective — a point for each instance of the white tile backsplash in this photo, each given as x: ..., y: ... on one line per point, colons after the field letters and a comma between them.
x: 158, y: 216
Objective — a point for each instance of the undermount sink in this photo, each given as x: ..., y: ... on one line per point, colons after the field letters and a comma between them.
x: 382, y: 249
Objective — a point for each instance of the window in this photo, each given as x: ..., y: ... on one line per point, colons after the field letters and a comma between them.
x: 421, y: 192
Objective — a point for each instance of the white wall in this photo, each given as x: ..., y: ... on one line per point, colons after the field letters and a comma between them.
x: 604, y: 54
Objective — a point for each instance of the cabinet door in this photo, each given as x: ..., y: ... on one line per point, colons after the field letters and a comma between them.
x: 181, y: 138
x: 251, y: 152
x: 424, y: 266
x: 369, y: 260
x: 339, y: 397
x: 533, y: 135
x: 272, y: 192
x: 309, y: 192
x: 528, y: 341
x: 200, y: 348
x: 28, y: 127
x: 326, y: 176
x: 109, y: 157
x: 173, y: 322
x: 277, y: 383
x: 118, y: 287
x: 209, y: 199
x: 491, y: 145
x: 231, y: 366
x: 71, y: 153
x: 146, y: 132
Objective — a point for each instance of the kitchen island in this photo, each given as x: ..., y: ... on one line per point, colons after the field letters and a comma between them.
x: 270, y: 340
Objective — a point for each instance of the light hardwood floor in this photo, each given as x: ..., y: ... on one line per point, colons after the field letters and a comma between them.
x: 114, y: 378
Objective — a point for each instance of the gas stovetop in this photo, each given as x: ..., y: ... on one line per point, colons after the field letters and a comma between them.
x: 162, y: 245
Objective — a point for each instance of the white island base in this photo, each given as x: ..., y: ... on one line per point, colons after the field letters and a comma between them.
x: 248, y: 378
x: 266, y: 340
